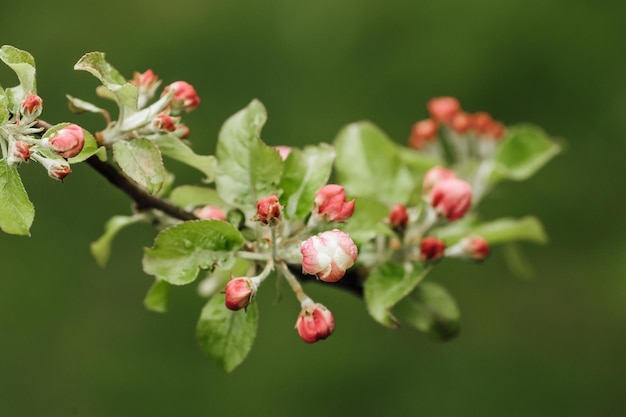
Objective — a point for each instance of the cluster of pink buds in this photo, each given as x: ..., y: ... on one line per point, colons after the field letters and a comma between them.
x: 450, y: 196
x: 330, y: 204
x: 315, y: 322
x: 328, y: 255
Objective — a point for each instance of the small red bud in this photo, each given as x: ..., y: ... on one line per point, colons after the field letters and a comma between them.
x: 481, y: 122
x: 423, y: 133
x: 59, y: 170
x: 399, y: 217
x: 328, y: 255
x: 443, y: 109
x: 330, y: 203
x: 239, y: 293
x: 315, y: 322
x: 31, y: 106
x: 461, y: 122
x: 476, y: 248
x: 185, y: 96
x: 164, y: 121
x: 68, y: 141
x: 144, y: 81
x: 18, y: 152
x: 451, y: 198
x: 431, y: 249
x: 434, y: 176
x: 269, y: 211
x: 209, y: 213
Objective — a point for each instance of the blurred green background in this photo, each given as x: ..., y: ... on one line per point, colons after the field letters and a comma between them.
x: 76, y: 340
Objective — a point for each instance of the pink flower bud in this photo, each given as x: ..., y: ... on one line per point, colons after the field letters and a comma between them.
x: 399, y: 217
x: 443, y: 109
x: 423, y: 133
x: 434, y: 176
x: 144, y: 81
x: 328, y: 255
x: 461, y: 122
x: 496, y: 130
x: 31, y: 106
x: 330, y: 203
x: 18, y: 152
x: 164, y: 121
x: 283, y: 151
x: 451, y: 198
x: 431, y: 249
x: 476, y: 247
x: 59, y: 170
x: 315, y: 322
x: 268, y: 210
x: 481, y: 122
x: 182, y: 131
x: 68, y: 141
x: 185, y: 96
x: 239, y: 293
x: 209, y: 213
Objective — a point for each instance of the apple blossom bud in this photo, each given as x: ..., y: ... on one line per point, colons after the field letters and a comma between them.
x: 423, y: 133
x: 431, y: 249
x: 461, y: 122
x: 164, y: 121
x: 443, y: 109
x: 185, y: 96
x: 31, y: 106
x: 209, y: 213
x: 328, y: 255
x: 451, y: 198
x: 315, y: 322
x: 144, y: 81
x: 59, y: 170
x: 496, y: 130
x: 18, y: 152
x: 434, y: 176
x: 67, y: 142
x: 182, y: 131
x: 330, y: 203
x: 283, y: 151
x: 399, y: 217
x: 268, y: 210
x: 239, y: 293
x: 481, y: 122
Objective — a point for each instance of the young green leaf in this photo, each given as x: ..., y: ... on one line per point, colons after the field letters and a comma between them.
x: 140, y: 159
x: 248, y: 169
x: 498, y: 231
x: 430, y: 308
x: 366, y: 222
x: 173, y: 147
x: 101, y: 248
x: 16, y: 210
x: 226, y: 336
x: 181, y: 251
x: 157, y: 297
x: 4, y: 107
x: 524, y: 151
x: 78, y: 106
x: 192, y: 195
x: 369, y: 164
x: 386, y: 285
x: 305, y: 173
x: 23, y: 64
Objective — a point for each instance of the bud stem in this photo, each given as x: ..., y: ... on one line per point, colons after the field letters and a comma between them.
x: 293, y: 282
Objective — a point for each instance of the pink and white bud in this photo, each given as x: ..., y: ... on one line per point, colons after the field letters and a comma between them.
x: 471, y: 247
x: 269, y: 210
x: 451, y: 198
x: 328, y: 255
x: 164, y: 121
x: 330, y: 203
x: 431, y: 249
x: 59, y: 170
x: 210, y: 213
x: 423, y: 133
x: 185, y: 97
x: 182, y: 131
x: 18, y: 152
x: 67, y: 142
x: 443, y: 109
x: 239, y: 293
x: 461, y: 122
x: 145, y: 81
x: 32, y: 106
x: 283, y: 151
x: 399, y: 217
x: 434, y: 176
x: 315, y: 322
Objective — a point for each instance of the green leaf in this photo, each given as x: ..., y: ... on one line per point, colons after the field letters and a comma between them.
x: 516, y: 261
x: 366, y: 221
x: 140, y: 159
x: 191, y: 196
x: 78, y: 106
x: 4, y: 107
x: 23, y: 64
x: 386, y: 285
x: 524, y: 151
x: 503, y: 230
x: 226, y: 336
x: 430, y: 308
x: 16, y: 210
x: 248, y: 169
x: 173, y: 147
x: 369, y: 164
x: 125, y: 93
x: 101, y: 248
x: 305, y: 173
x: 179, y: 252
x: 157, y: 297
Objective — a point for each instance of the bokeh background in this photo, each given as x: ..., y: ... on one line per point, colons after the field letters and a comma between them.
x: 76, y: 340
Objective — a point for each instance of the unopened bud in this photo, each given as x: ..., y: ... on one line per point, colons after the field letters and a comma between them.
x: 185, y: 97
x: 164, y: 121
x: 315, y: 322
x: 182, y: 131
x: 471, y: 247
x: 209, y: 213
x: 31, y: 106
x: 399, y: 217
x: 239, y: 293
x: 67, y: 142
x: 434, y: 176
x: 145, y: 81
x: 431, y: 249
x: 59, y: 170
x: 328, y: 255
x: 423, y: 133
x: 268, y: 210
x: 461, y: 122
x: 330, y: 203
x: 451, y: 198
x: 443, y: 109
x: 481, y: 121
x: 18, y: 152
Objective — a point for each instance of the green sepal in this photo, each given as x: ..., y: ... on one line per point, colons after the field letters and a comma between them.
x: 141, y: 160
x: 174, y: 148
x: 227, y: 336
x: 179, y: 252
x: 16, y: 210
x: 157, y: 297
x: 101, y: 248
